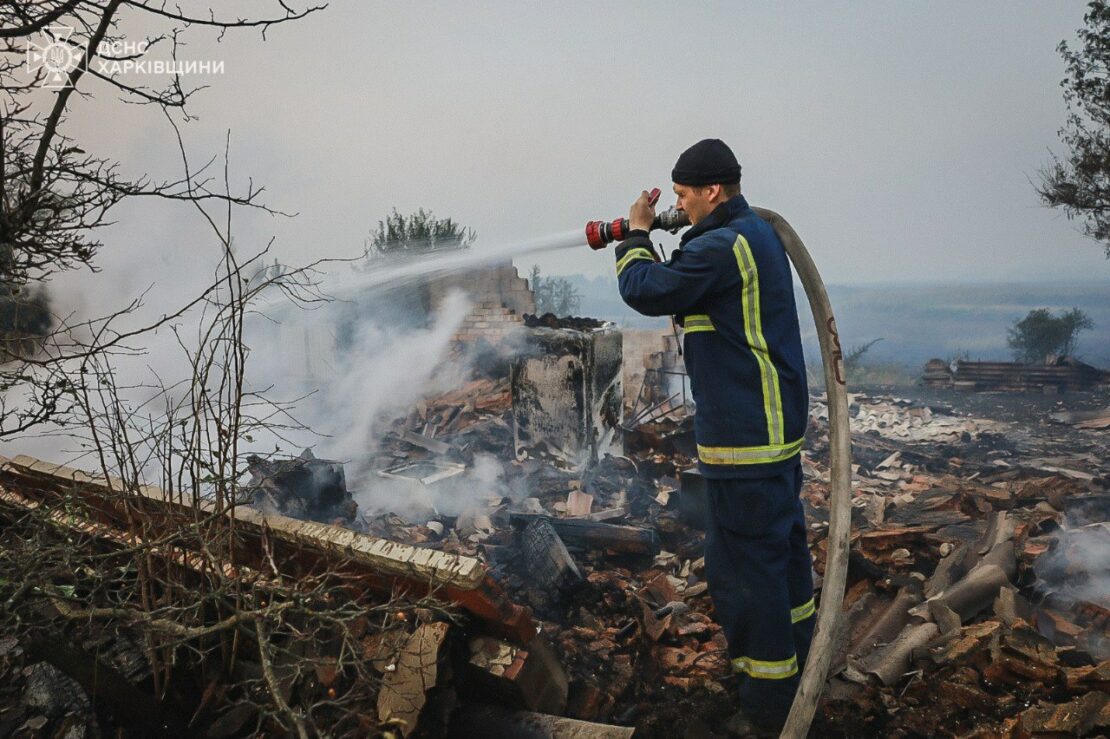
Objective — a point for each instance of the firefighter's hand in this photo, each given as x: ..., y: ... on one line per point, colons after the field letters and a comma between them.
x: 642, y: 214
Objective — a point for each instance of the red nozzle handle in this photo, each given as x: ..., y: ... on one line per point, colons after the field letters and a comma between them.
x: 600, y: 233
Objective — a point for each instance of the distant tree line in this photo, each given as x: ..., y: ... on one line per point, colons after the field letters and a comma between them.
x: 554, y: 294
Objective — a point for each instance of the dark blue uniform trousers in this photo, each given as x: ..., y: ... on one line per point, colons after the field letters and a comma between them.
x: 759, y: 572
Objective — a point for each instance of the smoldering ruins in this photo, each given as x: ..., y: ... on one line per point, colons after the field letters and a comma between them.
x: 519, y: 554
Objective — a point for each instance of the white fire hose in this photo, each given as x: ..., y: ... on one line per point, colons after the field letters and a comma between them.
x: 840, y: 477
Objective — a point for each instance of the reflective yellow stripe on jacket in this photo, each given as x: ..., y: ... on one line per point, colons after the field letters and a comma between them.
x: 632, y: 256
x: 765, y: 670
x: 697, y: 322
x: 753, y: 331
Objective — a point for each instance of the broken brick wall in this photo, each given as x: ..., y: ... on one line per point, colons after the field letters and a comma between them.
x: 500, y: 297
x: 489, y: 320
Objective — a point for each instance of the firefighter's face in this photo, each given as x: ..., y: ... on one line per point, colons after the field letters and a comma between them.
x: 698, y: 202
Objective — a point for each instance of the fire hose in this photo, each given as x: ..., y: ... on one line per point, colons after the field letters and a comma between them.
x: 829, y: 615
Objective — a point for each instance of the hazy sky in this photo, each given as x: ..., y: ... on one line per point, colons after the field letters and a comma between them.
x: 899, y: 138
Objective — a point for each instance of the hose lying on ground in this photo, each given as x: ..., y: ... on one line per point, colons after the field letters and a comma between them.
x: 840, y: 458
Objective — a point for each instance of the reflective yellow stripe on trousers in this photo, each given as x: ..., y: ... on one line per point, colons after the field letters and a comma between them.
x: 802, y: 612
x: 753, y: 330
x: 765, y: 670
x: 748, y: 454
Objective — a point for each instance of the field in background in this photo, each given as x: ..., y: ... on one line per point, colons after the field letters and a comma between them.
x: 916, y: 322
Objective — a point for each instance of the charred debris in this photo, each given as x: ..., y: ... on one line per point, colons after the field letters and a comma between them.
x: 564, y: 592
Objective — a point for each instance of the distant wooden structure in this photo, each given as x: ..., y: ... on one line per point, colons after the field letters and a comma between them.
x: 1060, y: 375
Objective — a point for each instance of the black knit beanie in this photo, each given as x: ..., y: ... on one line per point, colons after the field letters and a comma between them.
x: 708, y: 162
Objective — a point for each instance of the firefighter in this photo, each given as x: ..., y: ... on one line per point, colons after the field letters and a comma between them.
x: 729, y: 285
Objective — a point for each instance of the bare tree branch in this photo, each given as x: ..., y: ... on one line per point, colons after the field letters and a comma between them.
x: 13, y: 12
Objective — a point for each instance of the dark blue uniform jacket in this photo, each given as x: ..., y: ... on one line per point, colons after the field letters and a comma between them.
x: 730, y: 286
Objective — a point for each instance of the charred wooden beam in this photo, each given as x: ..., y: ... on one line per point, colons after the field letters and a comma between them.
x: 547, y: 557
x: 598, y: 535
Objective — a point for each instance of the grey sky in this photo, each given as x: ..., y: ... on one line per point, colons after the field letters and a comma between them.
x: 898, y: 138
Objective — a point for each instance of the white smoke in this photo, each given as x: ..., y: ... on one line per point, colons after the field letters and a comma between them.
x: 476, y: 489
x: 1077, y: 564
x: 343, y: 395
x: 350, y: 393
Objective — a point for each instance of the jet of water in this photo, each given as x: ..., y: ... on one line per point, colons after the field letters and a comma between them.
x: 397, y: 271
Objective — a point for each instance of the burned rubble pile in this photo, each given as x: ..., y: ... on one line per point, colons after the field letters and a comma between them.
x: 554, y: 581
x: 601, y: 555
x: 550, y: 320
x: 304, y: 488
x: 975, y: 605
x: 978, y: 601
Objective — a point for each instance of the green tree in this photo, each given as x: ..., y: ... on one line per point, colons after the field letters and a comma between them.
x: 540, y: 290
x: 1073, y: 322
x: 1080, y: 182
x: 554, y: 294
x: 417, y: 233
x: 1041, y: 333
